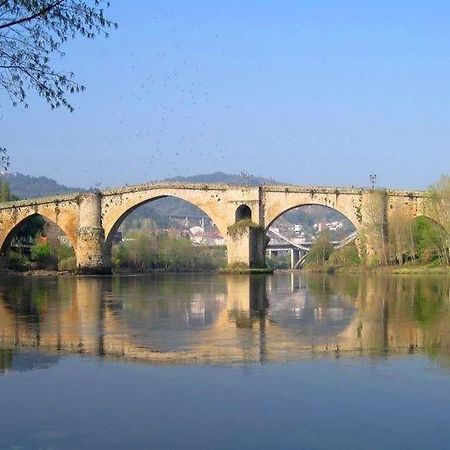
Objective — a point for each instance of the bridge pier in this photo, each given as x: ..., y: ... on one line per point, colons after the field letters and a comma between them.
x: 246, y: 246
x: 91, y: 256
x: 372, y: 240
x: 295, y: 256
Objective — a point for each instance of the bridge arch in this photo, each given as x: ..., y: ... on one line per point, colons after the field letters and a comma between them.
x: 274, y: 212
x: 115, y: 212
x: 7, y: 235
x: 291, y: 208
x: 243, y: 212
x: 117, y: 206
x: 290, y: 240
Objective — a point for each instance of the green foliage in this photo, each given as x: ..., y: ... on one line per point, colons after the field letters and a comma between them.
x: 69, y: 263
x: 345, y: 256
x: 439, y: 209
x: 31, y: 31
x: 18, y: 262
x: 427, y: 239
x: 321, y: 250
x: 418, y: 240
x: 144, y: 252
x: 426, y: 307
x: 64, y: 252
x: 42, y: 254
x: 5, y: 194
x: 242, y: 226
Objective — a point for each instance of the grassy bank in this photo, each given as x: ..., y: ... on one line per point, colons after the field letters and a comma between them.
x: 402, y: 270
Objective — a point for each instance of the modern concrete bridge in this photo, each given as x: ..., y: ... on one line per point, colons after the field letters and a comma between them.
x: 299, y: 252
x: 241, y: 213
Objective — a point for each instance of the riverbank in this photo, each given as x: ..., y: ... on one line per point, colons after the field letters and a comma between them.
x: 396, y: 270
x: 47, y: 273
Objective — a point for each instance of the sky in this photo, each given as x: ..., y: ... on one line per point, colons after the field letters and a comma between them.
x: 302, y: 91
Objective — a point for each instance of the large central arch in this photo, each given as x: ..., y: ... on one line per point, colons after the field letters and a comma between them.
x: 117, y: 206
x: 114, y: 213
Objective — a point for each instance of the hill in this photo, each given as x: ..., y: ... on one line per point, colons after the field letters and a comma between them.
x: 220, y: 177
x: 26, y: 186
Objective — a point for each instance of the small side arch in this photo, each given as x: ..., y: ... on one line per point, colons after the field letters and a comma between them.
x: 243, y: 212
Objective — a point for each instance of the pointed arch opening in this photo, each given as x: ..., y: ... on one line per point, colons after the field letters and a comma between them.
x: 310, y: 233
x: 37, y: 242
x: 165, y: 233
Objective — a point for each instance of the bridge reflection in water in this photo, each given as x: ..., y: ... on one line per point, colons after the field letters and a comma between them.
x: 224, y: 318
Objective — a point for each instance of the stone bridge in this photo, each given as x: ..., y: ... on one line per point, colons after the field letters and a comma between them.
x: 242, y: 214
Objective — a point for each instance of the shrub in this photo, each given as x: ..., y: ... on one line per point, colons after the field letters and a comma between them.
x: 64, y: 251
x: 69, y: 263
x: 17, y: 261
x: 42, y: 254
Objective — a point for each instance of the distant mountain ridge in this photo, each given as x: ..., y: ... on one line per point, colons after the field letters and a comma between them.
x: 220, y: 177
x: 27, y: 186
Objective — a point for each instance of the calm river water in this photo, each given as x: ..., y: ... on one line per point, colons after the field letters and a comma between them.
x: 225, y: 362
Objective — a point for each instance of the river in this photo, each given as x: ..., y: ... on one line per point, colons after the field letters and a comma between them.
x: 193, y: 361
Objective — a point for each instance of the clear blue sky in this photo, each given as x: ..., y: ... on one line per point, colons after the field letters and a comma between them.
x: 307, y: 92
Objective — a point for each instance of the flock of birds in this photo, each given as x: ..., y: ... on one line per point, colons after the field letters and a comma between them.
x: 164, y: 117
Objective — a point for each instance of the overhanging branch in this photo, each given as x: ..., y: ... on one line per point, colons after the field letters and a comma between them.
x: 40, y: 13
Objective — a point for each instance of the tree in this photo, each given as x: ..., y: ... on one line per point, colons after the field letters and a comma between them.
x: 322, y: 248
x: 401, y: 242
x: 439, y: 209
x: 31, y: 32
x: 428, y: 240
x: 5, y: 194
